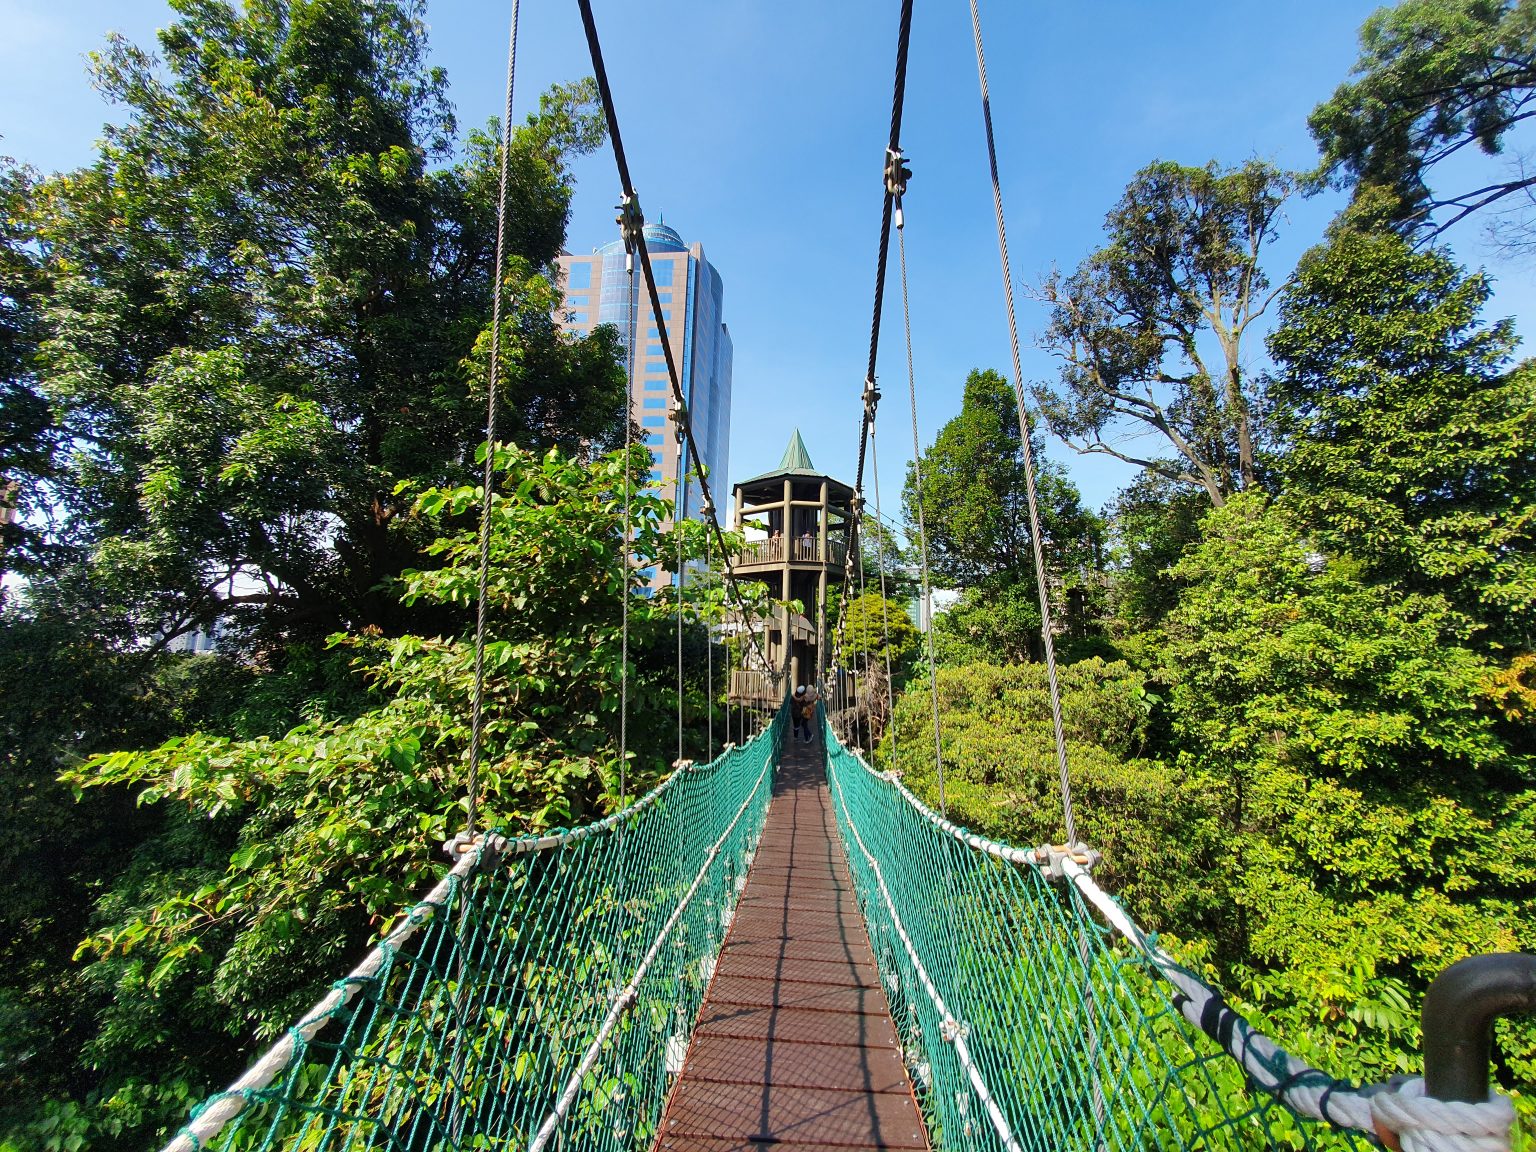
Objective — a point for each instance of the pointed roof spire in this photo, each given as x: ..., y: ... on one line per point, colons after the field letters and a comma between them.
x: 796, y: 458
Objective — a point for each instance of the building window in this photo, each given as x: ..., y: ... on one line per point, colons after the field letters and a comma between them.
x: 656, y: 385
x: 664, y: 297
x: 656, y: 366
x: 575, y: 317
x: 663, y: 272
x: 581, y: 275
x: 655, y: 402
x: 655, y: 439
x: 656, y: 476
x: 655, y: 350
x: 654, y: 422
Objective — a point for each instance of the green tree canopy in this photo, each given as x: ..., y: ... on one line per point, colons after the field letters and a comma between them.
x: 1434, y: 78
x: 27, y: 440
x: 975, y: 504
x: 1150, y: 328
x: 265, y: 300
x: 1408, y: 441
x: 876, y: 629
x: 1377, y: 807
x: 280, y: 856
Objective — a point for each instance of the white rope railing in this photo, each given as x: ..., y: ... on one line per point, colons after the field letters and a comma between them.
x: 1397, y: 1111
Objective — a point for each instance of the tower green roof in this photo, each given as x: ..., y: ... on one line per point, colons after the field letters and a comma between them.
x: 796, y: 458
x: 796, y: 462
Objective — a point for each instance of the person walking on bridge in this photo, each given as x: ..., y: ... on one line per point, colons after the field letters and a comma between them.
x: 805, y: 711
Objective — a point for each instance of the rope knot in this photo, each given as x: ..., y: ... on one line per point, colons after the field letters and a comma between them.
x: 1406, y: 1119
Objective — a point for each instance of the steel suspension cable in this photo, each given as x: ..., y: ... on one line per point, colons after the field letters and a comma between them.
x: 634, y: 220
x: 709, y: 660
x: 887, y: 207
x: 679, y: 498
x: 888, y: 204
x: 488, y: 477
x: 1046, y: 624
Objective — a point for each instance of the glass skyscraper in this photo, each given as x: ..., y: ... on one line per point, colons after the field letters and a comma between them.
x: 692, y: 302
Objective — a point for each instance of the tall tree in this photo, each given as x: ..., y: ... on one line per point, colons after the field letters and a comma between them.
x: 1150, y: 329
x: 1408, y: 439
x: 1152, y: 522
x: 1434, y: 78
x: 278, y: 857
x: 267, y: 295
x: 27, y: 445
x: 974, y: 500
x: 1378, y: 812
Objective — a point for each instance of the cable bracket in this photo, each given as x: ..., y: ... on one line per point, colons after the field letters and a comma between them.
x: 631, y: 222
x: 897, y: 172
x: 1049, y: 858
x: 871, y: 397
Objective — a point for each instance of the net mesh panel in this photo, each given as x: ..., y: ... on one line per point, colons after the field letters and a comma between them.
x: 470, y: 1031
x: 1069, y: 1029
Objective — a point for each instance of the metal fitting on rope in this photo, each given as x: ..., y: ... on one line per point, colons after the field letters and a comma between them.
x: 953, y: 1030
x: 897, y: 172
x: 631, y: 222
x: 896, y: 176
x: 1459, y: 1012
x: 488, y: 844
x: 1049, y: 858
x: 679, y: 418
x: 856, y: 505
x: 871, y: 397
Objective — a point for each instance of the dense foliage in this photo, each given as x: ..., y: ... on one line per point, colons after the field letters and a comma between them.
x: 1433, y: 78
x: 1150, y: 329
x: 1312, y: 764
x: 243, y: 358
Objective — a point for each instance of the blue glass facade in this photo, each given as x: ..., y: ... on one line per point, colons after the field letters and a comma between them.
x: 692, y: 295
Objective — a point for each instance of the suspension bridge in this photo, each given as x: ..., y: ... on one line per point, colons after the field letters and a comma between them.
x: 784, y: 946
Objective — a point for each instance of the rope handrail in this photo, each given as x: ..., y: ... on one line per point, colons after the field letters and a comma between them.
x: 1129, y: 1000
x: 511, y: 979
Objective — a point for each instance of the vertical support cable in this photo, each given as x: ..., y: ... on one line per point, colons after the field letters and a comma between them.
x: 679, y: 498
x: 709, y: 658
x: 922, y: 531
x: 1046, y: 627
x: 488, y: 477
x: 885, y: 621
x: 624, y: 563
x: 1046, y: 630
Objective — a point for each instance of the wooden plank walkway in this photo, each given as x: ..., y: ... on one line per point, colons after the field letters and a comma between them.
x: 795, y: 1046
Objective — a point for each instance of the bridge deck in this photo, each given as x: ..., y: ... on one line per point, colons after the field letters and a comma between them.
x: 795, y: 1045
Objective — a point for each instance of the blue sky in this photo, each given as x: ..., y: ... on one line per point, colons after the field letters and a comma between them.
x: 758, y: 128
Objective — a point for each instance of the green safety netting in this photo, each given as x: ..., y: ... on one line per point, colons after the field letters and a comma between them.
x: 1026, y: 1022
x: 542, y: 996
